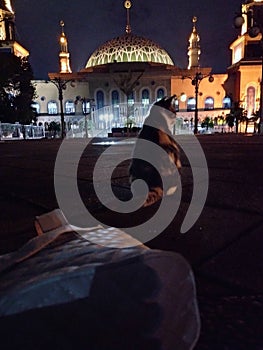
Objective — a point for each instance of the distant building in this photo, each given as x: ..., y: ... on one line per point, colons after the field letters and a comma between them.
x: 125, y: 75
x: 245, y: 72
x: 8, y: 41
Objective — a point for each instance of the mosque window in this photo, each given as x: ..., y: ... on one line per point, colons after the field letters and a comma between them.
x: 251, y: 93
x: 69, y: 107
x: 9, y: 30
x: 86, y: 107
x: 145, y: 97
x: 52, y: 107
x: 209, y: 103
x: 36, y: 107
x: 160, y: 94
x: 237, y: 53
x: 191, y: 104
x: 100, y: 99
x: 226, y: 102
x: 131, y: 98
x: 115, y: 99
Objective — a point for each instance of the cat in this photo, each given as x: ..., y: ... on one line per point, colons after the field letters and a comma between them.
x: 157, y: 130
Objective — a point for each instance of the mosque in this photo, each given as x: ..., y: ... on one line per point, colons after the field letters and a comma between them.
x: 126, y: 74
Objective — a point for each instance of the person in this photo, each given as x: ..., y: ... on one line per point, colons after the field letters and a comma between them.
x: 156, y: 155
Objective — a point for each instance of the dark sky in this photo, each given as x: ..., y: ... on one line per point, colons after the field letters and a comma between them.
x: 89, y: 23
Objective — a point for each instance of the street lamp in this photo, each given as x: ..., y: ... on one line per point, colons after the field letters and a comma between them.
x: 256, y: 15
x: 61, y: 85
x: 196, y: 80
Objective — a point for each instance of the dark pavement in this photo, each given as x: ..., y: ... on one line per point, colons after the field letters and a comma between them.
x: 224, y: 246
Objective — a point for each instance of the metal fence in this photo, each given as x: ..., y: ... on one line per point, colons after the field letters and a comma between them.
x: 18, y: 131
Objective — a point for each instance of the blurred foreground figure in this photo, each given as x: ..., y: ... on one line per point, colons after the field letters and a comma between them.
x: 156, y: 157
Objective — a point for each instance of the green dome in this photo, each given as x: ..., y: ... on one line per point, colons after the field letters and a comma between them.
x: 129, y: 48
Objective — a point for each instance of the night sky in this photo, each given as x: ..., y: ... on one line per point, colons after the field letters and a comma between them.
x: 89, y: 24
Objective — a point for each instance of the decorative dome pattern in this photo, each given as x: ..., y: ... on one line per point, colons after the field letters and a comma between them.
x: 129, y: 48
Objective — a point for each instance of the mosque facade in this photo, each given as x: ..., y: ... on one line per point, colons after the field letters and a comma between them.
x: 125, y: 75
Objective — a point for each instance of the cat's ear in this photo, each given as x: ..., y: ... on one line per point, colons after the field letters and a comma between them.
x: 161, y: 102
x: 167, y: 102
x: 172, y: 98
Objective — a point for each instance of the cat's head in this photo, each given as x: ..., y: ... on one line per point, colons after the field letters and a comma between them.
x: 168, y: 103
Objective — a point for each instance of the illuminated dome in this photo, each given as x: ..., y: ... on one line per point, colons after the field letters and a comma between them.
x: 129, y: 48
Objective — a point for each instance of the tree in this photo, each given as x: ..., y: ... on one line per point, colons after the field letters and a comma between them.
x: 236, y: 115
x: 16, y: 90
x: 54, y: 129
x: 230, y: 120
x: 207, y: 123
x: 127, y: 82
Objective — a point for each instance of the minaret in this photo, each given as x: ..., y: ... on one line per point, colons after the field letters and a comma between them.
x: 7, y: 31
x: 194, y: 50
x: 7, y: 19
x: 127, y: 5
x: 64, y: 62
x: 253, y: 17
x: 248, y: 45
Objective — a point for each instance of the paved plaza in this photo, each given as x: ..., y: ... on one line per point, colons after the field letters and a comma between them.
x: 224, y: 246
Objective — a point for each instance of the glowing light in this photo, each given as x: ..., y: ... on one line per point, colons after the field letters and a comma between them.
x: 183, y: 97
x: 8, y: 5
x: 129, y: 48
x: 237, y: 54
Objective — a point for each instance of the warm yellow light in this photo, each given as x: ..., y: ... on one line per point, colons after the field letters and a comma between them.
x: 127, y: 4
x: 183, y: 97
x: 20, y: 51
x: 8, y: 5
x: 63, y: 67
x: 237, y: 54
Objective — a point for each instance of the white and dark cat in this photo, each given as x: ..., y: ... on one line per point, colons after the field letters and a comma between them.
x: 160, y: 170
